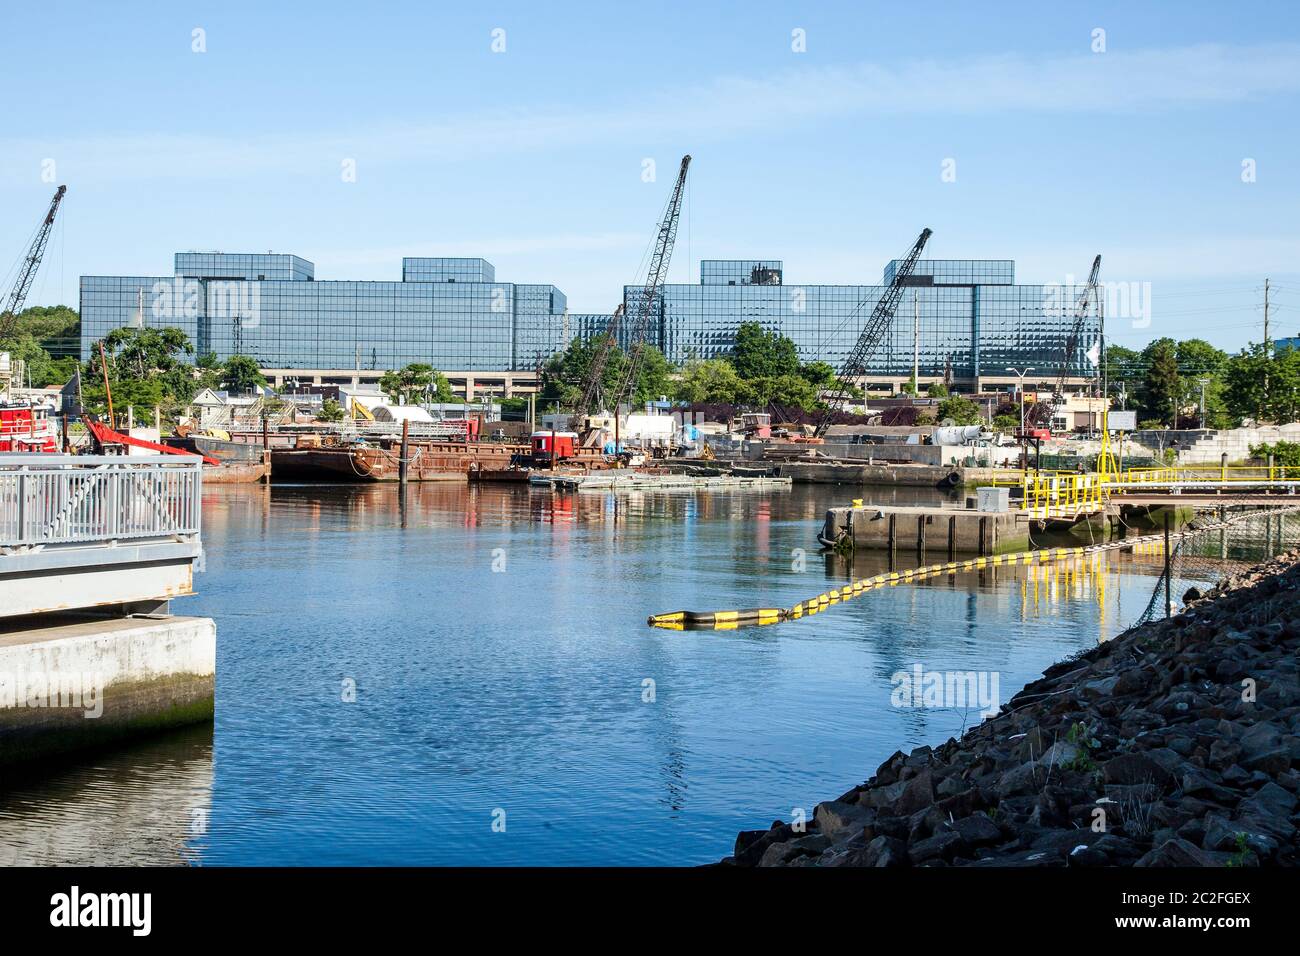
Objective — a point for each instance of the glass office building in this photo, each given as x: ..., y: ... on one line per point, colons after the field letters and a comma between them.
x: 964, y: 320
x: 449, y: 313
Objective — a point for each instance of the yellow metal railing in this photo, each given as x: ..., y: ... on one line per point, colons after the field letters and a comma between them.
x: 1070, y: 493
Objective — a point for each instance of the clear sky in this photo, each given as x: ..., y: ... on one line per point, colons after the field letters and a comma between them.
x: 831, y: 158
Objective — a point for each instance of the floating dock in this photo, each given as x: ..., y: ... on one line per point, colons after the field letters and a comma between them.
x: 622, y: 479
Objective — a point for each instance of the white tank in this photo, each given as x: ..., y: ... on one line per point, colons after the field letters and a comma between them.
x: 955, y: 434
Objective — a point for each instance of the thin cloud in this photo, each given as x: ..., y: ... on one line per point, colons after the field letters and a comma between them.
x: 1114, y: 82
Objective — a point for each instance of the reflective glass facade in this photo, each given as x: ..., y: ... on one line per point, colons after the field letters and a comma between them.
x: 221, y: 265
x: 448, y: 270
x: 970, y: 318
x: 740, y: 271
x: 450, y: 313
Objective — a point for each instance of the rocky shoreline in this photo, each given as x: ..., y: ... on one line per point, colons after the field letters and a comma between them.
x: 1175, y: 744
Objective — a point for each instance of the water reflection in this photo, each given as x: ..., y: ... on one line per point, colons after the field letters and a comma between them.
x: 142, y: 805
x: 496, y: 637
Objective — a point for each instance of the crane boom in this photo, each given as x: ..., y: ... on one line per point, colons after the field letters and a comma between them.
x: 27, y: 273
x: 596, y: 371
x: 655, y: 276
x: 873, y: 332
x: 1041, y: 414
x: 640, y: 320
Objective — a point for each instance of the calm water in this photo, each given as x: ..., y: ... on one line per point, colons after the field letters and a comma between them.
x: 521, y: 690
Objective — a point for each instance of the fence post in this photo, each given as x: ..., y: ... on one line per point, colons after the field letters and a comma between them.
x: 22, y: 505
x: 1169, y: 572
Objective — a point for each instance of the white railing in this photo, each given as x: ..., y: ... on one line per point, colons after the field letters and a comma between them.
x: 85, y: 499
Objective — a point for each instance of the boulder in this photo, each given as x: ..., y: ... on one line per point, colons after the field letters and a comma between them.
x: 1176, y: 852
x: 942, y: 846
x: 977, y: 830
x: 885, y: 851
x: 839, y: 821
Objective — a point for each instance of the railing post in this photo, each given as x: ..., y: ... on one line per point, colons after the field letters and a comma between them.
x: 22, y: 505
x: 1169, y: 572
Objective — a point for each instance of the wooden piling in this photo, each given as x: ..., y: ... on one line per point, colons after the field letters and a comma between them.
x: 403, y: 463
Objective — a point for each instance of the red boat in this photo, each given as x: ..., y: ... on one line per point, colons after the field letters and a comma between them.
x: 27, y: 429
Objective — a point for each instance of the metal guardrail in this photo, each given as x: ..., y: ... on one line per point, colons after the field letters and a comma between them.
x: 87, y: 499
x: 1070, y: 493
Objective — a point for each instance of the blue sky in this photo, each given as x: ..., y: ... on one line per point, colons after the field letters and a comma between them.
x: 830, y: 159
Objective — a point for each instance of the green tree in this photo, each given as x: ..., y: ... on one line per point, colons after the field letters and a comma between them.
x: 56, y: 329
x: 654, y: 377
x: 1162, y: 386
x: 330, y: 411
x: 759, y: 353
x: 959, y: 410
x: 709, y: 380
x: 818, y: 374
x: 937, y: 390
x: 565, y: 374
x: 1285, y: 453
x: 144, y: 352
x: 1124, y: 370
x: 241, y: 374
x: 782, y: 389
x: 145, y: 369
x: 1250, y: 383
x: 39, y: 367
x: 415, y: 383
x: 1197, y: 358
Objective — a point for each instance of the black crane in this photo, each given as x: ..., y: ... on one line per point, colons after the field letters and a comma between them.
x: 27, y: 272
x: 640, y: 314
x: 658, y: 271
x: 1041, y: 413
x: 873, y: 333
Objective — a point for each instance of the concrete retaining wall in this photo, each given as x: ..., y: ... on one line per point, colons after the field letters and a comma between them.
x: 1209, y: 446
x: 820, y: 472
x: 73, y: 684
x: 877, y: 527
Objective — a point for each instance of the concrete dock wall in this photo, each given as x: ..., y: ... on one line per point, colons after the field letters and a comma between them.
x: 887, y: 527
x: 821, y: 472
x: 69, y: 684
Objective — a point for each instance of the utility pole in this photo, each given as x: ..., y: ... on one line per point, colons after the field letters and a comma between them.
x: 1266, y: 316
x: 1268, y: 352
x: 1024, y: 447
x: 1204, y: 382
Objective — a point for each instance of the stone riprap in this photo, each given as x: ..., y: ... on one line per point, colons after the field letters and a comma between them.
x: 1177, y: 743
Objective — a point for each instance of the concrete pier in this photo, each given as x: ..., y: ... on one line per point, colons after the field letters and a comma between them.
x: 92, y: 551
x: 926, y: 529
x: 68, y: 684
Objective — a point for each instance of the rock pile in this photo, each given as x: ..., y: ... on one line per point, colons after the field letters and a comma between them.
x: 1175, y: 744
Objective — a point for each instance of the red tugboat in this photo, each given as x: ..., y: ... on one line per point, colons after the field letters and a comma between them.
x: 26, y: 428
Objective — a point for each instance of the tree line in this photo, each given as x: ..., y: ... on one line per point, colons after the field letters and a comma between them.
x: 1166, y: 381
